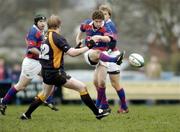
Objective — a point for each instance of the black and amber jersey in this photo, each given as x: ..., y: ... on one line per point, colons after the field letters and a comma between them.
x: 52, y: 50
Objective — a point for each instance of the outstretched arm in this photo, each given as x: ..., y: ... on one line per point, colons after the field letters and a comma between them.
x: 75, y: 52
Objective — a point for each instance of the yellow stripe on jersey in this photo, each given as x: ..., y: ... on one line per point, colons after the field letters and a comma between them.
x: 57, y: 53
x: 52, y: 30
x: 83, y: 93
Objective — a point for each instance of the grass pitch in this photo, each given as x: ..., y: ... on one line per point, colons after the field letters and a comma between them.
x: 78, y: 118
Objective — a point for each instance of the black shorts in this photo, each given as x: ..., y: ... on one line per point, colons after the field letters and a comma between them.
x: 92, y: 62
x: 113, y: 72
x: 54, y: 77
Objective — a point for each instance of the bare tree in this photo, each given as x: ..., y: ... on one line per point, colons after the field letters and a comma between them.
x: 164, y: 19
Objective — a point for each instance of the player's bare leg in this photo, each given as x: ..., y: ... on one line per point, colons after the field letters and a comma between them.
x: 21, y: 85
x: 81, y: 88
x: 114, y: 78
x: 42, y: 96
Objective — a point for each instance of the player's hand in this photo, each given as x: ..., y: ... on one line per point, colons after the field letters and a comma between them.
x: 80, y: 44
x: 96, y: 38
x: 111, y: 45
x: 90, y: 44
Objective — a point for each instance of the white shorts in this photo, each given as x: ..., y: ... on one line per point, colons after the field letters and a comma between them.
x: 86, y: 57
x: 113, y: 67
x: 31, y: 68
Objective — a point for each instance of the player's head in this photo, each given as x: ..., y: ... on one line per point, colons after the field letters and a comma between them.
x: 54, y: 22
x: 98, y: 18
x: 107, y: 11
x: 40, y: 21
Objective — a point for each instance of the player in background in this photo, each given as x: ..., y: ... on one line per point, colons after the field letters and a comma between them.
x: 30, y: 66
x: 52, y: 61
x: 96, y: 30
x: 113, y: 68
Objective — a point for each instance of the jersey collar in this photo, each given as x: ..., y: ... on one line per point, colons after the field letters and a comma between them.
x: 109, y: 20
x: 52, y: 30
x: 91, y: 23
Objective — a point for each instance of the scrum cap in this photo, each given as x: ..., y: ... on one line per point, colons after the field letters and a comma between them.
x: 38, y: 18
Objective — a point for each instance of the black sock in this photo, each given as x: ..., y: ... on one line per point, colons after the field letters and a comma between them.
x: 35, y: 104
x: 88, y: 101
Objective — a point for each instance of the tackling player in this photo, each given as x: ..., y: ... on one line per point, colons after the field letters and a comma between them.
x: 52, y: 61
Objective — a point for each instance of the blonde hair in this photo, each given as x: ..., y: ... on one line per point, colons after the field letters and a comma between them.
x: 53, y: 22
x: 106, y: 8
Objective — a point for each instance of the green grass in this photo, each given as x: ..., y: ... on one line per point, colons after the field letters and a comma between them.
x: 78, y: 118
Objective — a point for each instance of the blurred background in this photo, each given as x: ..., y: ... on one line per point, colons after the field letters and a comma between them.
x: 148, y: 27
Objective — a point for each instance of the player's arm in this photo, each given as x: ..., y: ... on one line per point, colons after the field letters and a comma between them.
x: 31, y: 41
x: 99, y: 38
x: 75, y: 52
x: 79, y: 40
x: 34, y: 51
x: 64, y: 45
x: 31, y: 48
x: 79, y: 37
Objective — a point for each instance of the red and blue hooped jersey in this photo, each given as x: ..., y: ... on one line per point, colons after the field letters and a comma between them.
x: 104, y: 30
x: 33, y: 39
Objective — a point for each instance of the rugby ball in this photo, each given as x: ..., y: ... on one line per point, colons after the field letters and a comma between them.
x: 136, y: 60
